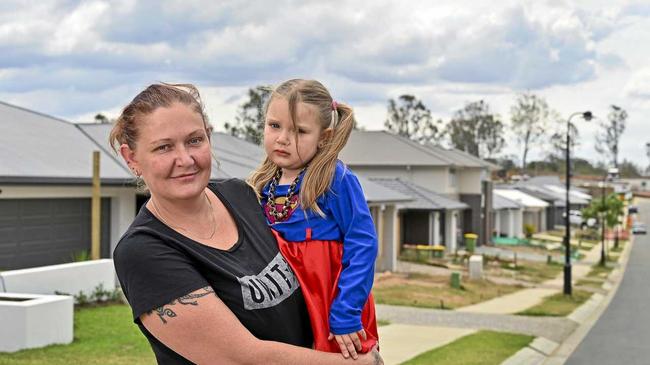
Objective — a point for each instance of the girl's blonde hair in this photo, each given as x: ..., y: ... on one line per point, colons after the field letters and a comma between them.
x: 337, y: 116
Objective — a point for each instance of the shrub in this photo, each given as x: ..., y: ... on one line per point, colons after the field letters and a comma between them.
x: 529, y: 229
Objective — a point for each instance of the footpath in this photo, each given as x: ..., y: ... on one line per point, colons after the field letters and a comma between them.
x: 413, y: 331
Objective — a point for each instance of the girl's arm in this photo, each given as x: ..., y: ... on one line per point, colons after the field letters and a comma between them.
x: 350, y: 210
x: 207, y: 332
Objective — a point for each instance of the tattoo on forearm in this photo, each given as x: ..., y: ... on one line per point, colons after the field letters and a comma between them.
x: 189, y: 299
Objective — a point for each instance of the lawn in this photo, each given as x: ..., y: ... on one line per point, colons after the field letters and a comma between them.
x: 533, y: 272
x: 102, y: 335
x: 599, y: 271
x: 481, y: 348
x: 558, y: 305
x: 429, y: 291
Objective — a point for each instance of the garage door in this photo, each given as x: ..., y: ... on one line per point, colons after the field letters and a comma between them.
x: 37, y: 232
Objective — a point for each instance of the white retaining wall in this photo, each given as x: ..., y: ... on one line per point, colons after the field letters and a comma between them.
x: 39, y: 321
x: 65, y: 278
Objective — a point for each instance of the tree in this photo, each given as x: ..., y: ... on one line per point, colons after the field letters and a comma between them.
x: 647, y: 152
x: 611, y: 130
x: 629, y: 169
x: 557, y: 140
x: 475, y: 130
x: 409, y: 117
x: 529, y: 117
x: 608, y: 209
x: 249, y: 122
x: 101, y: 119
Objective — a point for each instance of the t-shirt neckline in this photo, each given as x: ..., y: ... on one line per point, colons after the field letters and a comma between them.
x: 229, y: 208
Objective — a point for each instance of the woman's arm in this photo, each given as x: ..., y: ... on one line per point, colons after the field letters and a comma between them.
x: 201, y: 328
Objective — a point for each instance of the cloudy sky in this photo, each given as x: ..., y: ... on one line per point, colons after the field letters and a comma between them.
x: 73, y: 59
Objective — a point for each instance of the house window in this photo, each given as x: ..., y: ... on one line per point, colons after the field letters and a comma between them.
x: 453, y: 178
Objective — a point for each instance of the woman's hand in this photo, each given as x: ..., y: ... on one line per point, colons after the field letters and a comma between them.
x: 370, y: 358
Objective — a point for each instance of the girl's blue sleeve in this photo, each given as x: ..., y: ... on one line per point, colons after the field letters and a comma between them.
x: 350, y: 211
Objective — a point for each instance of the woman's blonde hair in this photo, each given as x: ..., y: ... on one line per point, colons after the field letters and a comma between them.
x: 337, y: 116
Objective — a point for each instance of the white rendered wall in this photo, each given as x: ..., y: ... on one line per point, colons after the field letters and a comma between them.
x: 43, y: 320
x: 65, y: 278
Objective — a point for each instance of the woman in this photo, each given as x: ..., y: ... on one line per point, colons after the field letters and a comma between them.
x: 199, y: 266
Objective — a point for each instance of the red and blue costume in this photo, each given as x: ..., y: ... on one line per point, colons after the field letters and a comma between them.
x: 333, y: 257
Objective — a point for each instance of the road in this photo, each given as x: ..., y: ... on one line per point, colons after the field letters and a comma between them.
x: 622, y: 334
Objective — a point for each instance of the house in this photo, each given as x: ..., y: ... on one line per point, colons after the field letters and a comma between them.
x: 508, y: 217
x: 428, y: 218
x: 45, y: 190
x: 46, y: 186
x: 551, y: 190
x: 534, y: 210
x: 450, y: 173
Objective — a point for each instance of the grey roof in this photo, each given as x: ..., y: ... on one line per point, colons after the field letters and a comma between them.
x: 460, y: 158
x: 377, y: 193
x: 543, y: 194
x: 382, y: 148
x: 38, y: 148
x: 233, y: 157
x: 499, y: 203
x: 422, y: 197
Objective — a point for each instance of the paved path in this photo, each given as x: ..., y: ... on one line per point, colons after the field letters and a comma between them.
x: 419, y: 339
x: 622, y: 334
x: 555, y: 329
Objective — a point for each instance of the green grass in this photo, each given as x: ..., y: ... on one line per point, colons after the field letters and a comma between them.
x: 382, y: 322
x: 102, y: 335
x: 535, y: 272
x: 481, y: 348
x: 558, y: 305
x: 599, y: 271
x: 593, y: 283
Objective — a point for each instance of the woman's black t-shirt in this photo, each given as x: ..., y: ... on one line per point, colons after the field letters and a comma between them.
x: 156, y: 265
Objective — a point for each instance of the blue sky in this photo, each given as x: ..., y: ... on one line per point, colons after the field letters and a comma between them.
x: 73, y: 59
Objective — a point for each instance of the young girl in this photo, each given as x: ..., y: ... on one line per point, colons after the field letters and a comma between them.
x: 318, y: 213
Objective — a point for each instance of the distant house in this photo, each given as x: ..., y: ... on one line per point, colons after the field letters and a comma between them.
x: 534, y: 210
x: 453, y: 174
x: 508, y: 217
x: 552, y: 191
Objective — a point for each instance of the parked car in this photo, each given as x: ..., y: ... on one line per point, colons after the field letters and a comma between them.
x: 575, y: 219
x: 639, y: 228
x: 632, y: 209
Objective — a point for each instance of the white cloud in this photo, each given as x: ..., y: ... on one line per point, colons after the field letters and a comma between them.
x: 73, y: 58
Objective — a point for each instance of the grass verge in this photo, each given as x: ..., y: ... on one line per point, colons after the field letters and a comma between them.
x: 481, y: 348
x: 102, y: 335
x: 558, y: 305
x: 534, y: 272
x: 429, y: 291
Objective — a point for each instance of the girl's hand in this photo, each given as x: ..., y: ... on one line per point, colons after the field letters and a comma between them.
x: 349, y: 343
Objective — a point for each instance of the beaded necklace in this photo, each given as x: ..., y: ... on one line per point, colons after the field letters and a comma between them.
x: 270, y: 202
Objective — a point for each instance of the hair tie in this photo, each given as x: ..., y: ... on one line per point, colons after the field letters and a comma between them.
x: 334, y: 105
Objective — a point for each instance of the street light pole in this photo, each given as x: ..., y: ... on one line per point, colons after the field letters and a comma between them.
x: 603, y: 215
x: 567, y: 232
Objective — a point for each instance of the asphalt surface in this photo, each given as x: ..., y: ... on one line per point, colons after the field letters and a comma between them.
x: 622, y: 334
